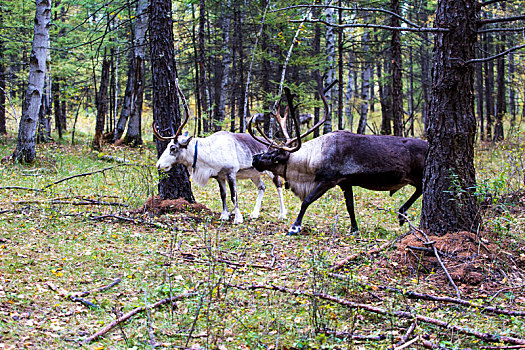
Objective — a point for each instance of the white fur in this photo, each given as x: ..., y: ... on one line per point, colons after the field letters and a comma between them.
x: 217, y: 156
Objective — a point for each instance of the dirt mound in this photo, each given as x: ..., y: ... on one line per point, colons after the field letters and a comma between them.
x: 472, y: 261
x: 158, y: 206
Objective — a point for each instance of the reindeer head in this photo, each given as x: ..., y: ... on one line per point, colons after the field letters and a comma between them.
x: 271, y: 159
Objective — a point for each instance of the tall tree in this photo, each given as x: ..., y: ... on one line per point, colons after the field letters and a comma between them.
x: 3, y: 129
x: 449, y: 180
x: 134, y: 133
x: 166, y: 114
x: 25, y: 148
x: 397, y: 79
x: 330, y: 53
x: 102, y: 104
x: 501, y: 105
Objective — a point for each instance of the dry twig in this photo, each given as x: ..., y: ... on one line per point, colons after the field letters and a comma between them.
x: 488, y: 337
x: 135, y: 311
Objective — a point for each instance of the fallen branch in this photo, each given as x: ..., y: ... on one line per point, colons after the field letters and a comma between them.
x: 135, y: 311
x: 66, y: 295
x: 436, y: 254
x: 100, y: 289
x: 428, y: 297
x: 345, y: 261
x: 488, y: 337
x: 20, y: 188
x: 126, y: 219
x: 404, y: 339
x: 346, y: 335
x: 233, y: 263
x: 81, y: 175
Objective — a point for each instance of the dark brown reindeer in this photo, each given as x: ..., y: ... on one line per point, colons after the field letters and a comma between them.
x: 341, y: 158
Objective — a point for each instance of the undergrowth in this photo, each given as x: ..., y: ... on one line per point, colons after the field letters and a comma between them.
x: 59, y: 240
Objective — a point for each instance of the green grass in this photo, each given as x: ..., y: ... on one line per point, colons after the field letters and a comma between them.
x: 48, y: 250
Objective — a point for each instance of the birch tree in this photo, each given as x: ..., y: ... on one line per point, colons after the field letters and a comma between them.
x: 25, y: 148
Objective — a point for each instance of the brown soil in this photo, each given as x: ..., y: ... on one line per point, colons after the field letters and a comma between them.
x: 474, y: 263
x: 158, y: 206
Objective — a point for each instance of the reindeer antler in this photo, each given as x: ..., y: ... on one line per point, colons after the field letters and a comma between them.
x: 322, y: 93
x: 186, y: 117
x: 283, y: 119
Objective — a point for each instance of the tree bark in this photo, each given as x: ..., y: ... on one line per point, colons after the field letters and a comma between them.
x: 480, y: 99
x: 134, y: 133
x: 330, y: 53
x: 225, y: 63
x: 385, y: 95
x: 397, y: 78
x: 449, y: 203
x: 365, y: 91
x: 501, y: 105
x: 316, y: 50
x: 3, y: 129
x: 165, y: 100
x: 58, y: 110
x: 102, y: 104
x: 340, y: 70
x: 489, y: 87
x: 350, y: 95
x: 512, y: 94
x: 25, y: 148
x: 205, y: 100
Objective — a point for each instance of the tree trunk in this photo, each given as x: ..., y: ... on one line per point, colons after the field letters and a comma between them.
x: 205, y: 101
x: 365, y: 91
x: 330, y: 53
x: 512, y: 95
x: 350, y: 95
x: 316, y: 50
x: 479, y: 95
x: 340, y: 71
x: 102, y: 104
x: 134, y: 134
x: 411, y: 107
x: 489, y: 87
x: 25, y: 148
x: 165, y: 100
x: 126, y: 104
x: 3, y: 129
x: 225, y: 63
x: 397, y: 78
x: 449, y: 203
x: 425, y: 58
x: 385, y: 95
x: 58, y: 110
x: 239, y: 41
x: 501, y: 105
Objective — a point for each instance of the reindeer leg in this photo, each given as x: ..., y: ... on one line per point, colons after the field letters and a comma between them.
x: 225, y: 215
x: 257, y: 180
x: 409, y: 202
x: 349, y: 199
x: 317, y: 192
x: 279, y: 185
x: 232, y: 181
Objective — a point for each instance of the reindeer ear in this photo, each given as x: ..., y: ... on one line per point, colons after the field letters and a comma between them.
x: 184, y: 140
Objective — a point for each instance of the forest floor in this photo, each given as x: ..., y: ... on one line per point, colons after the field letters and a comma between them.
x: 84, y: 241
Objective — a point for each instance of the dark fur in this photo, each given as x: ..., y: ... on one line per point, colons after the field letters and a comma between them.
x: 344, y: 159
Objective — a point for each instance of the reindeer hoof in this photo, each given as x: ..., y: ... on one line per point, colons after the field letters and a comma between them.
x: 354, y: 229
x: 294, y: 230
x: 254, y: 215
x: 225, y: 215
